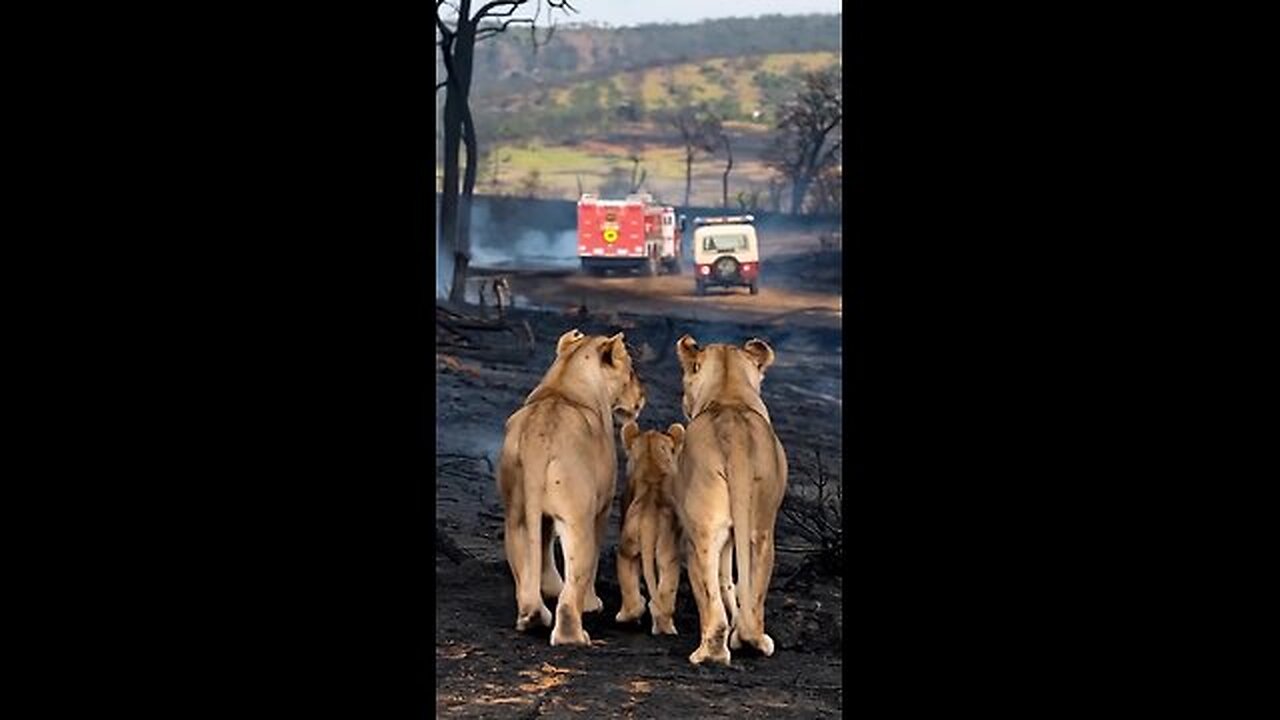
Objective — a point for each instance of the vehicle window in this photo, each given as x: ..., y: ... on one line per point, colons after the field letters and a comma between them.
x: 724, y: 243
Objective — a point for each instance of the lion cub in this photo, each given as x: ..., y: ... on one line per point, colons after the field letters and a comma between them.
x: 649, y: 529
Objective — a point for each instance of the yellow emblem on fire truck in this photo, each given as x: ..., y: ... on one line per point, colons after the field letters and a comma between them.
x: 611, y: 235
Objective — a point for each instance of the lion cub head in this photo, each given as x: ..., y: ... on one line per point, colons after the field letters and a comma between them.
x: 651, y: 455
x: 723, y: 371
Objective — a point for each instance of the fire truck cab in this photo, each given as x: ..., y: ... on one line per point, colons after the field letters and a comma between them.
x: 630, y: 234
x: 726, y: 252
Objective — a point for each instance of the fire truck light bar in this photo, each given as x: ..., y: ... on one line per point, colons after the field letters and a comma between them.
x: 722, y: 220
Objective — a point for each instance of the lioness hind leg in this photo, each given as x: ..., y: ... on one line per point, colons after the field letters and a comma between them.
x: 577, y: 541
x: 519, y: 546
x: 551, y: 581
x: 761, y: 574
x: 515, y: 539
x: 695, y: 582
x: 715, y: 626
x: 517, y: 543
x: 728, y: 594
x: 628, y: 560
x: 593, y: 603
x: 532, y: 610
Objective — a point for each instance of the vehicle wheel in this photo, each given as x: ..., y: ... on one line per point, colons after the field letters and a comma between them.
x: 702, y: 288
x: 755, y: 288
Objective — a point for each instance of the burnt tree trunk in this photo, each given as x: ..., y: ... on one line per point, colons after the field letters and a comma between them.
x: 728, y: 166
x: 688, y: 176
x: 463, y: 51
x: 799, y: 189
x: 449, y: 193
x: 462, y: 256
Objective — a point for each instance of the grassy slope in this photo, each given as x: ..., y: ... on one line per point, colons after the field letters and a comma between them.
x: 592, y: 158
x: 736, y: 74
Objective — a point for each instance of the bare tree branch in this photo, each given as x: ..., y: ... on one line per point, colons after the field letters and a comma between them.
x: 803, y: 150
x: 491, y: 30
x: 490, y: 9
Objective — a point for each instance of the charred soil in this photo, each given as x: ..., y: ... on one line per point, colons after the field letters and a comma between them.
x: 486, y: 669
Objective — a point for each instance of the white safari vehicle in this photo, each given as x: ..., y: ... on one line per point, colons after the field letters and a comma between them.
x: 726, y: 252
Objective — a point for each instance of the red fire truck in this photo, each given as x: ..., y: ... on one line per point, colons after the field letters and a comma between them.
x: 630, y: 234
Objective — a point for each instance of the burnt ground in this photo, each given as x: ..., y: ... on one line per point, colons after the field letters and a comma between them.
x: 485, y: 669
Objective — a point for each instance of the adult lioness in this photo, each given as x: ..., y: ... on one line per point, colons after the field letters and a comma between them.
x: 627, y: 407
x: 649, y: 529
x: 731, y: 477
x: 557, y: 470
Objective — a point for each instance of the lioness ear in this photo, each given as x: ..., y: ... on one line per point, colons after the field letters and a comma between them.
x: 629, y: 433
x: 676, y: 431
x: 614, y: 350
x: 568, y: 339
x: 687, y: 351
x: 760, y: 352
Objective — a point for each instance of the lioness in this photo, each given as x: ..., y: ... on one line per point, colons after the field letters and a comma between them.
x: 732, y: 474
x: 557, y: 475
x: 649, y: 529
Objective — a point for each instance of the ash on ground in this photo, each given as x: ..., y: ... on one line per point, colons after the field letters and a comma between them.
x: 484, y: 668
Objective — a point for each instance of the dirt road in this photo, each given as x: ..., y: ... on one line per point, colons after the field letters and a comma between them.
x: 800, y: 289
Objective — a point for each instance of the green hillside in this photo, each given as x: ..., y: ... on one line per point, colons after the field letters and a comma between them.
x: 509, y: 62
x: 550, y: 130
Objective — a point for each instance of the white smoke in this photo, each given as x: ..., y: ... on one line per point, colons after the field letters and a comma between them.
x: 444, y: 269
x: 508, y: 245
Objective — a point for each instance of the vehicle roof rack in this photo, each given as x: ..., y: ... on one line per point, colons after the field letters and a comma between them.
x: 724, y: 220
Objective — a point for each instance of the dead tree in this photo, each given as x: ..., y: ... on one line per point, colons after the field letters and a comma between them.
x: 638, y: 175
x: 501, y: 290
x: 728, y: 166
x: 807, y: 142
x: 699, y: 132
x: 457, y: 32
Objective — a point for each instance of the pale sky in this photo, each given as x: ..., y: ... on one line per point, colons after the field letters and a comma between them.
x: 634, y: 12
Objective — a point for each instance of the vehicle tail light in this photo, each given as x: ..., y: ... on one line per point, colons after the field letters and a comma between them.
x: 705, y: 269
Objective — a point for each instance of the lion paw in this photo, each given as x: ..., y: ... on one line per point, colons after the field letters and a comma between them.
x: 702, y: 654
x: 766, y: 645
x: 625, y: 616
x: 533, y: 619
x: 581, y: 638
x: 664, y: 626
